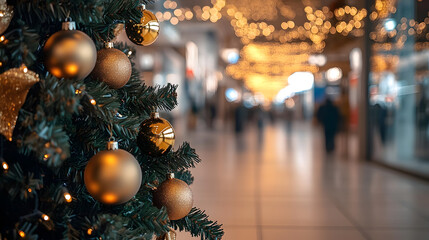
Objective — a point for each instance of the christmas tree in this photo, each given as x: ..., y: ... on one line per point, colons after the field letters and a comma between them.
x: 62, y: 102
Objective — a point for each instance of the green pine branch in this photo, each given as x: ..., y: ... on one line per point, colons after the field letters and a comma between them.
x: 142, y: 99
x: 18, y: 182
x: 82, y: 11
x: 145, y: 217
x: 40, y: 126
x: 155, y: 169
x: 19, y: 46
x: 198, y: 224
x: 185, y: 175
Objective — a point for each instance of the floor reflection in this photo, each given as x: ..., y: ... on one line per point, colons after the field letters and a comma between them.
x: 267, y: 184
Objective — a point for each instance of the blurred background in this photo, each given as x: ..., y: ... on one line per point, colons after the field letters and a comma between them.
x: 311, y: 116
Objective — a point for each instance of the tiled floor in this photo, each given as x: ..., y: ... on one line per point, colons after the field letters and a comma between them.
x: 274, y: 186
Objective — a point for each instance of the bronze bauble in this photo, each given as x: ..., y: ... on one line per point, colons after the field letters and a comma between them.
x: 70, y: 54
x: 6, y: 14
x: 113, y: 67
x: 146, y: 31
x: 176, y: 196
x: 113, y: 176
x: 15, y: 84
x: 156, y: 136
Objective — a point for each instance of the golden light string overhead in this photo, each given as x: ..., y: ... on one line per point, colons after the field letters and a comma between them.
x: 251, y: 24
x: 350, y: 21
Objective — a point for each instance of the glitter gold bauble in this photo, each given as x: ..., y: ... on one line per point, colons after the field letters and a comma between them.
x: 156, y: 136
x: 113, y: 67
x: 175, y: 195
x: 113, y: 176
x: 70, y: 53
x: 146, y: 31
x: 15, y: 84
x: 6, y: 14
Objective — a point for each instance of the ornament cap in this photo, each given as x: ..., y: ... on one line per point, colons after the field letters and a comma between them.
x: 112, y: 145
x: 109, y: 45
x: 154, y: 115
x: 170, y: 175
x: 142, y: 6
x: 69, y: 24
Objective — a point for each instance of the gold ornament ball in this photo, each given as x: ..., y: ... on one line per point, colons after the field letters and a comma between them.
x: 113, y: 176
x: 156, y: 136
x: 112, y: 67
x: 15, y: 84
x: 70, y: 54
x: 6, y: 14
x: 146, y: 31
x: 176, y: 196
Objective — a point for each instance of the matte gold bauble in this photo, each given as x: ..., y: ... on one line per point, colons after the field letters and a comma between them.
x: 156, y: 136
x: 112, y: 67
x: 113, y: 176
x: 176, y: 196
x: 70, y: 53
x: 6, y: 14
x: 146, y: 31
x: 15, y: 84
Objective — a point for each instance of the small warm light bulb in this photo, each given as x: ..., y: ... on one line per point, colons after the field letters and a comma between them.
x: 93, y: 102
x: 1, y: 14
x: 5, y: 166
x: 129, y: 53
x: 29, y: 190
x: 68, y: 197
x: 45, y: 217
x: 21, y: 233
x: 45, y: 157
x: 2, y: 38
x: 89, y: 231
x: 25, y: 69
x: 78, y: 91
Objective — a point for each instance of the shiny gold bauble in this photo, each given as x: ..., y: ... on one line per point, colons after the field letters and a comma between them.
x: 70, y: 54
x: 15, y: 84
x: 156, y: 136
x: 113, y: 176
x: 146, y: 31
x: 113, y: 67
x: 176, y: 196
x: 6, y: 14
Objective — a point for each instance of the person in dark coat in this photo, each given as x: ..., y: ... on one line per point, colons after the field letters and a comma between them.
x: 329, y: 116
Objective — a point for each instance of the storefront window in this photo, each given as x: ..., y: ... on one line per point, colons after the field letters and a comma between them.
x: 399, y: 84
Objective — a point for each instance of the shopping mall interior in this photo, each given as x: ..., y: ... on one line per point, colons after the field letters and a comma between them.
x: 310, y: 117
x: 253, y: 79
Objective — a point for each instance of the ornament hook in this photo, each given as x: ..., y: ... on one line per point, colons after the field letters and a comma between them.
x: 170, y: 175
x: 68, y: 24
x: 142, y: 6
x: 109, y: 45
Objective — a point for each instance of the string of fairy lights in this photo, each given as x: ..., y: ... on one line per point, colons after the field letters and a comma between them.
x: 62, y: 196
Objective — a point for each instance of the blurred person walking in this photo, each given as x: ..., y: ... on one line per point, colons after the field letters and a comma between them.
x: 239, y: 117
x: 344, y: 108
x: 329, y: 116
x: 288, y: 116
